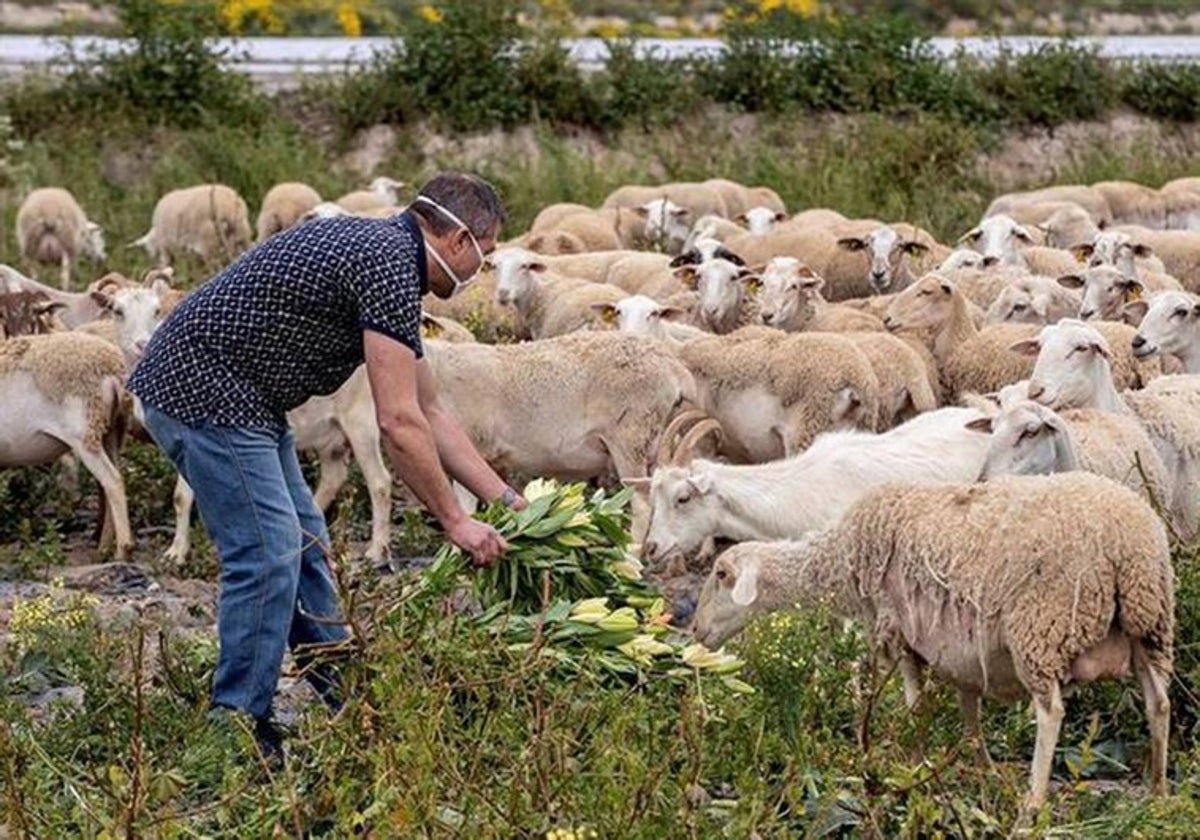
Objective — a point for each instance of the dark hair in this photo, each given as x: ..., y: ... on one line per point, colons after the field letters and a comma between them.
x: 469, y: 197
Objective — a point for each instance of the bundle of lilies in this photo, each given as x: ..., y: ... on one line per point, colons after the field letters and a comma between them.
x: 568, y: 591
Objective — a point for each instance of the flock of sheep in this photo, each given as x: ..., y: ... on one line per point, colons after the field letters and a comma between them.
x: 868, y: 414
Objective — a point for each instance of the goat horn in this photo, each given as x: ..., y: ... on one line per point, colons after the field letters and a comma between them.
x: 687, y: 447
x: 680, y: 423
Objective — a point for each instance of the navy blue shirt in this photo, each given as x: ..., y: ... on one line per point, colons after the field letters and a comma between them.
x: 285, y: 321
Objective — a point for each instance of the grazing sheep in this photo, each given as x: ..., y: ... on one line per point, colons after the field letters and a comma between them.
x: 1033, y: 300
x: 209, y: 221
x: 1073, y: 370
x: 382, y: 193
x: 1008, y: 589
x: 1168, y: 325
x: 283, y: 206
x: 774, y: 392
x: 1028, y: 438
x: 1089, y: 199
x: 693, y: 503
x: 53, y: 229
x: 1106, y: 291
x: 64, y: 393
x: 547, y: 304
x: 581, y: 406
x: 789, y: 298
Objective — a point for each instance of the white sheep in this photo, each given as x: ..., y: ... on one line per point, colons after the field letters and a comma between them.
x: 700, y: 199
x: 1181, y: 198
x: 64, y: 393
x: 1179, y: 251
x: 773, y: 392
x: 1033, y: 300
x: 712, y: 227
x: 1008, y: 589
x: 667, y: 224
x: 887, y: 247
x: 692, y: 504
x: 53, y: 229
x: 726, y: 294
x: 552, y: 242
x: 209, y: 221
x: 739, y: 198
x: 789, y: 298
x: 383, y: 192
x: 1105, y: 291
x: 283, y: 206
x: 1028, y: 438
x: 131, y: 315
x: 75, y: 308
x: 1133, y: 204
x: 546, y: 304
x: 1086, y: 197
x: 760, y: 220
x: 1073, y: 370
x: 1118, y: 249
x: 642, y: 315
x: 1168, y: 325
x: 550, y: 215
x: 28, y: 313
x: 1069, y: 225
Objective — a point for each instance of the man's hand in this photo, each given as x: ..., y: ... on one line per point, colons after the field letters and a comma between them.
x: 480, y: 540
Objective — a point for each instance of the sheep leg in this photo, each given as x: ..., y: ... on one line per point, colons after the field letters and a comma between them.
x: 65, y: 265
x: 1158, y: 715
x: 910, y: 672
x: 334, y: 471
x: 181, y: 543
x: 116, y: 508
x: 1049, y: 708
x: 969, y: 702
x: 628, y: 467
x: 364, y: 442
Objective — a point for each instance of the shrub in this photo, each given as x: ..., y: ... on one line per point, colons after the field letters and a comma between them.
x: 1050, y: 85
x: 1164, y: 91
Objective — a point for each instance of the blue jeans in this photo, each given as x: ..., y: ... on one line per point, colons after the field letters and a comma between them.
x: 276, y: 585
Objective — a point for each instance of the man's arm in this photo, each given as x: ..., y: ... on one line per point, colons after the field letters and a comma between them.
x: 458, y: 454
x: 392, y: 369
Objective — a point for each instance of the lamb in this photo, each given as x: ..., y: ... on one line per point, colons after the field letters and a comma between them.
x: 1028, y: 438
x: 1106, y: 290
x: 381, y: 193
x: 546, y: 304
x: 1008, y: 589
x: 974, y: 360
x: 1168, y: 325
x: 790, y: 299
x: 52, y: 228
x: 209, y: 221
x: 1073, y: 370
x: 1033, y: 300
x: 694, y: 503
x: 774, y: 392
x: 283, y: 206
x: 64, y: 393
x: 581, y: 406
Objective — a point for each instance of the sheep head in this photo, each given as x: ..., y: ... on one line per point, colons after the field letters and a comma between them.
x: 787, y: 286
x: 1169, y: 324
x: 927, y: 303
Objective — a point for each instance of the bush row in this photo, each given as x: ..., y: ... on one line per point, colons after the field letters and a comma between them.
x: 474, y: 66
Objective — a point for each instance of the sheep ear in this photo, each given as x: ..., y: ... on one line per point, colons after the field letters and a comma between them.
x: 1083, y: 253
x: 1101, y: 350
x: 644, y: 212
x: 750, y: 281
x: 681, y: 212
x: 488, y: 265
x: 970, y: 236
x: 607, y: 312
x: 49, y: 307
x: 1132, y: 289
x: 1022, y: 233
x: 687, y: 276
x: 1071, y: 281
x: 430, y: 327
x: 690, y: 257
x: 102, y: 299
x: 981, y: 424
x: 1135, y: 311
x: 1140, y: 250
x: 1196, y: 311
x: 741, y: 219
x: 914, y: 249
x: 638, y: 484
x: 537, y: 267
x: 727, y: 255
x: 1028, y: 347
x: 671, y: 313
x: 745, y: 588
x: 700, y: 482
x: 852, y: 243
x: 947, y: 287
x: 780, y: 216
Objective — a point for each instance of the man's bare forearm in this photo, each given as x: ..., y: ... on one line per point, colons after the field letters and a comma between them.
x: 461, y: 459
x: 414, y: 450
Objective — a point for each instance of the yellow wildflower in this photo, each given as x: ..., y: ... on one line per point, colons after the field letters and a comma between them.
x: 431, y: 14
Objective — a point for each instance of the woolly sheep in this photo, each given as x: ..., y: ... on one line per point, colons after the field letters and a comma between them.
x: 976, y: 581
x: 1068, y: 226
x: 597, y: 230
x: 1033, y: 300
x: 209, y: 221
x: 605, y: 396
x: 1133, y: 204
x: 1084, y: 196
x: 1073, y: 370
x: 726, y: 298
x: 546, y: 304
x: 75, y: 308
x: 887, y: 247
x: 549, y: 216
x: 1179, y: 251
x: 692, y: 504
x: 552, y: 242
x: 1000, y: 239
x: 774, y: 392
x: 132, y: 314
x: 1028, y: 438
x: 816, y: 217
x: 699, y: 199
x: 1181, y: 199
x: 712, y: 227
x: 642, y: 315
x: 905, y: 388
x: 760, y: 220
x: 1105, y: 291
x: 28, y: 313
x: 789, y: 298
x: 1168, y: 325
x: 739, y: 198
x: 283, y: 206
x: 64, y: 393
x: 382, y: 192
x: 53, y: 229
x: 1115, y: 248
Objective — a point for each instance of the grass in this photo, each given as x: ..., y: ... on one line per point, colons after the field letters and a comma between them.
x: 451, y: 733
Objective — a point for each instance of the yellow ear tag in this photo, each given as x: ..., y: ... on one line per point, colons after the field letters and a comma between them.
x: 431, y: 329
x: 1133, y: 293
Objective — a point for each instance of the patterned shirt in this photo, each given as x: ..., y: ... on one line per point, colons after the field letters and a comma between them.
x: 285, y: 322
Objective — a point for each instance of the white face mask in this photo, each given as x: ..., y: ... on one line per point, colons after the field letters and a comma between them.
x: 459, y: 284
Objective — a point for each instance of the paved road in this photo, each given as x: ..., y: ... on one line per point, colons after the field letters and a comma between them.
x: 278, y: 62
